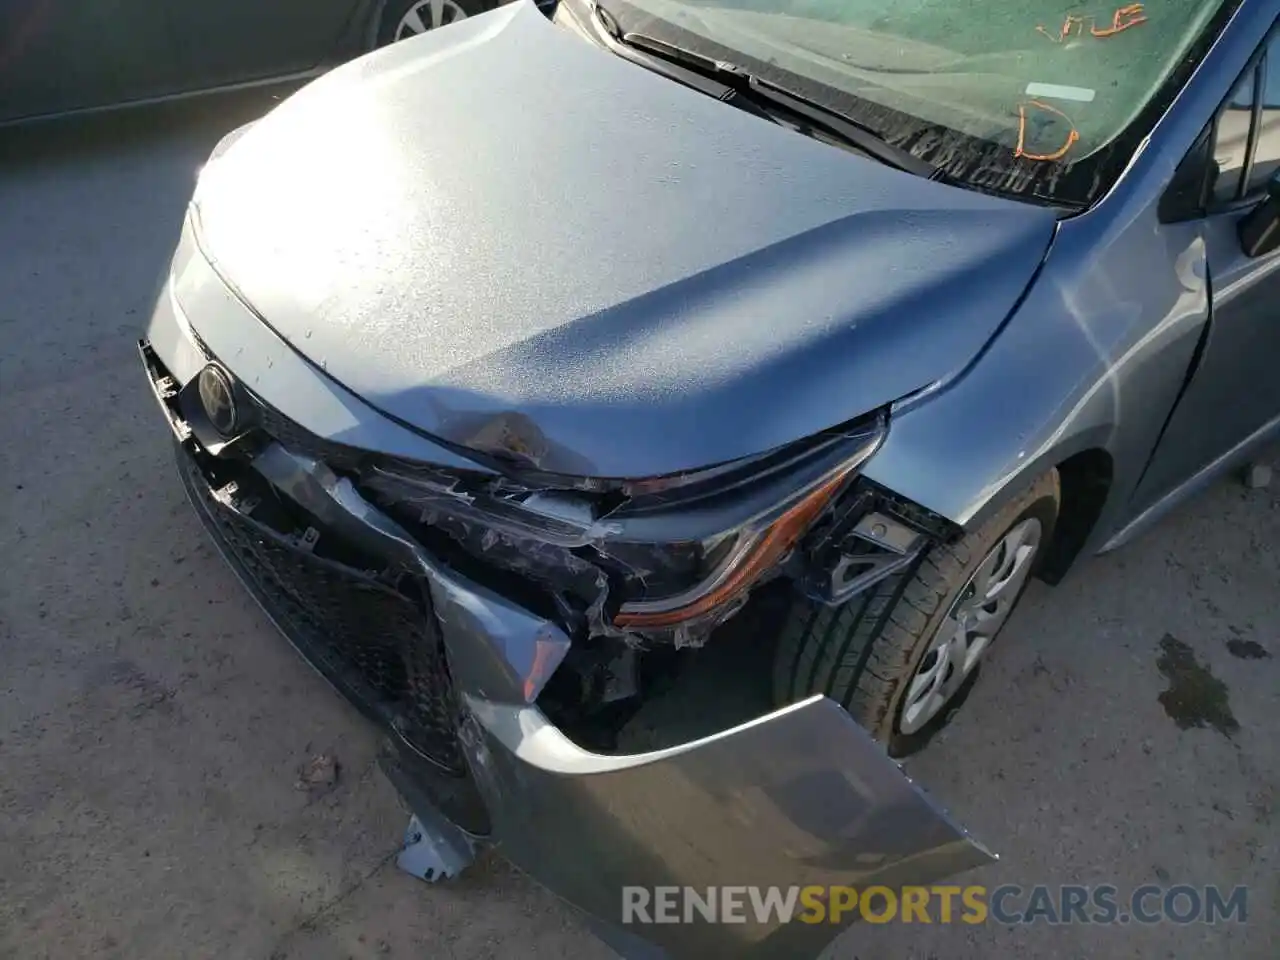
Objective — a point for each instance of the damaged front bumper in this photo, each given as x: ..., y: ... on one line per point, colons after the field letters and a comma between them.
x: 800, y: 797
x: 453, y: 670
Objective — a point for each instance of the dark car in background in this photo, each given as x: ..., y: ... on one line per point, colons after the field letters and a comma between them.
x: 512, y: 408
x: 58, y: 56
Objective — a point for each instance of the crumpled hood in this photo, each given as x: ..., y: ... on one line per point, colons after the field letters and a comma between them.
x: 513, y: 240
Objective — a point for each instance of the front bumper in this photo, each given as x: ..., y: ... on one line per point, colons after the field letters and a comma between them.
x: 452, y: 671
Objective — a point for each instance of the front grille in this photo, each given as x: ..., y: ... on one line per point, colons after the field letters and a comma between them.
x: 378, y: 643
x: 298, y: 439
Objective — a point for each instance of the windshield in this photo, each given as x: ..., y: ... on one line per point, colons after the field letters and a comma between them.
x: 1043, y: 99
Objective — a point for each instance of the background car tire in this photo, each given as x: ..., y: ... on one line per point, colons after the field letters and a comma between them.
x: 865, y: 653
x: 401, y: 18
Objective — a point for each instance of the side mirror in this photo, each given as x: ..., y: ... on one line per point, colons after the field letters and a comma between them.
x: 1260, y: 227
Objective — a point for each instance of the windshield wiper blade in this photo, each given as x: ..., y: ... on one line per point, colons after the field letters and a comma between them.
x: 701, y: 77
x: 750, y: 86
x: 859, y: 135
x: 681, y: 55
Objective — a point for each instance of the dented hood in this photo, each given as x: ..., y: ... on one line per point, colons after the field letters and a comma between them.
x: 513, y: 240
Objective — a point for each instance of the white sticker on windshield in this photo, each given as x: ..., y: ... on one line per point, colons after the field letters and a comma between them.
x: 1055, y: 92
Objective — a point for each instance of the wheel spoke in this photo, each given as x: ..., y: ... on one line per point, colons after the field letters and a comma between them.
x: 999, y: 589
x: 1021, y: 548
x: 987, y: 572
x: 1013, y: 543
x: 926, y: 693
x: 437, y: 13
x: 959, y: 645
x: 412, y: 22
x: 926, y: 680
x: 921, y: 683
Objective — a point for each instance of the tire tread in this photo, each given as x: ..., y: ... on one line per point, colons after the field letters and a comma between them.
x: 857, y: 653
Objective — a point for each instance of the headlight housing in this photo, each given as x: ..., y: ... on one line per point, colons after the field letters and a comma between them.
x: 675, y: 553
x: 740, y: 558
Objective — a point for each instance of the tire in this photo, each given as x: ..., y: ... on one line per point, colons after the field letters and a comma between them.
x: 396, y: 23
x: 865, y: 653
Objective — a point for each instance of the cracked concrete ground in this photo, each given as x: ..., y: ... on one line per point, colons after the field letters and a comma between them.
x: 152, y: 725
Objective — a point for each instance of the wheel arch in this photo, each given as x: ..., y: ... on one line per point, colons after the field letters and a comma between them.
x: 372, y: 16
x: 1085, y: 480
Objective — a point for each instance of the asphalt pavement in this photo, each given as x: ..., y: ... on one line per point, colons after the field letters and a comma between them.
x: 155, y: 733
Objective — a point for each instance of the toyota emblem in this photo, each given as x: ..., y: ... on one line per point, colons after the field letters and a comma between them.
x: 218, y: 397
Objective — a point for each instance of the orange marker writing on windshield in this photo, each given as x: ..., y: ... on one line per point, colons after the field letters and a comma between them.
x: 1021, y: 151
x: 1069, y: 26
x: 1124, y: 18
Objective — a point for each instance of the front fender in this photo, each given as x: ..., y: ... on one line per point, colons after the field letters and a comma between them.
x: 1090, y: 360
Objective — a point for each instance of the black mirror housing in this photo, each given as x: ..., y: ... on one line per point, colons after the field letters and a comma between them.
x: 1260, y: 227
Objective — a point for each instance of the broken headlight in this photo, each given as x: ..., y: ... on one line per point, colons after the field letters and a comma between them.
x: 736, y: 559
x: 663, y: 553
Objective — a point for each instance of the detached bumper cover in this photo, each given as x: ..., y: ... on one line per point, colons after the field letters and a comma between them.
x: 801, y: 796
x: 798, y: 797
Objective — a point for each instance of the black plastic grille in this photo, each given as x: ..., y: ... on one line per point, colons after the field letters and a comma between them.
x: 300, y: 440
x: 380, y: 646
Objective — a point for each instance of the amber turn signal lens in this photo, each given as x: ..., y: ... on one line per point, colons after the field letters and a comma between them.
x: 766, y: 549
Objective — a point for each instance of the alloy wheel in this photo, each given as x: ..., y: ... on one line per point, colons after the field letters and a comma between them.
x: 428, y: 15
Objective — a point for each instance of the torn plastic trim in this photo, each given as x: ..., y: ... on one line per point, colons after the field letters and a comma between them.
x: 499, y: 650
x: 498, y: 503
x: 679, y: 565
x: 536, y: 548
x: 577, y: 512
x: 164, y: 387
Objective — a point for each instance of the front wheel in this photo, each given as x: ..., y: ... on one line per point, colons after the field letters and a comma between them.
x: 903, y: 655
x: 402, y: 19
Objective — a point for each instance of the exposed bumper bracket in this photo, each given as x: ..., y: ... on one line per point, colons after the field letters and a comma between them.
x: 434, y: 848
